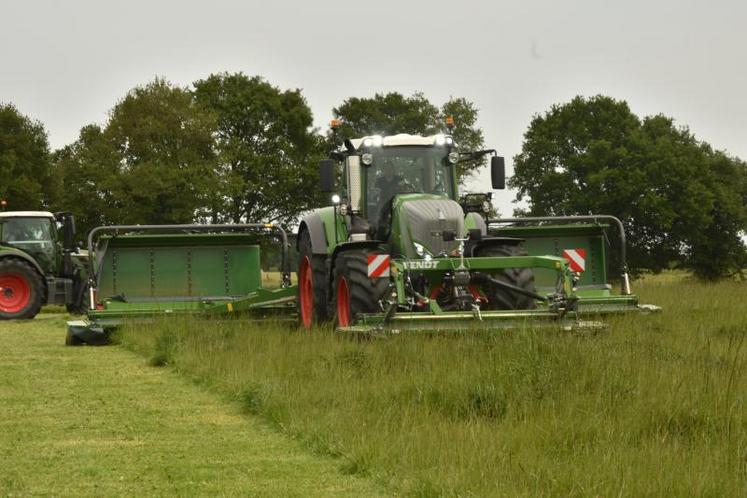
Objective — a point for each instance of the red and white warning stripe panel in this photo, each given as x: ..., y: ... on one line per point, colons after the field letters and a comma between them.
x: 576, y: 258
x: 378, y: 265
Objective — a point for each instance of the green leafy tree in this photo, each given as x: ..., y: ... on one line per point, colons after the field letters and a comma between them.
x: 88, y: 180
x: 153, y: 162
x: 267, y: 151
x: 392, y: 113
x: 24, y: 161
x: 165, y: 144
x: 680, y: 201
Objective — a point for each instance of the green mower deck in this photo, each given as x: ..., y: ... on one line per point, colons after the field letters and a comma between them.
x: 144, y: 273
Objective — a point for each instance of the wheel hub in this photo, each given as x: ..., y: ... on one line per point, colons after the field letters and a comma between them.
x: 15, y: 293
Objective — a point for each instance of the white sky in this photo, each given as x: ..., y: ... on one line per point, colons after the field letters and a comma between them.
x: 67, y: 63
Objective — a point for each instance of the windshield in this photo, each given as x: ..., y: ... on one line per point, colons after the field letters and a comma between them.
x: 32, y: 235
x: 26, y: 230
x: 399, y: 170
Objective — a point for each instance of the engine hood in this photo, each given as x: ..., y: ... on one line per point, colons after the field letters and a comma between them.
x: 422, y: 218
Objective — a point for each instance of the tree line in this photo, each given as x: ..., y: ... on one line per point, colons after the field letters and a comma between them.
x: 683, y: 204
x: 232, y: 148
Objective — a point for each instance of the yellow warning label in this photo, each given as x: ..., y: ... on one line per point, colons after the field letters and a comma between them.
x: 230, y: 307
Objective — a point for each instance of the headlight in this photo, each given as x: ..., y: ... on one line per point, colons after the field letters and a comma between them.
x: 367, y: 159
x: 422, y: 251
x: 453, y: 157
x: 335, y: 199
x: 367, y: 142
x: 440, y: 140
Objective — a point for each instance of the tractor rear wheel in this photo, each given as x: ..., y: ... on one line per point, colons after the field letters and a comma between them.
x: 312, y: 298
x: 355, y: 292
x: 504, y: 299
x: 21, y: 290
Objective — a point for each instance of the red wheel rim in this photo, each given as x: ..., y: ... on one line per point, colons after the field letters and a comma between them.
x: 15, y: 292
x: 306, y: 287
x: 343, y: 303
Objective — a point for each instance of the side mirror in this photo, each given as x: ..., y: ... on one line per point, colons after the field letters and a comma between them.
x: 66, y: 222
x: 69, y: 233
x: 498, y: 172
x: 326, y: 175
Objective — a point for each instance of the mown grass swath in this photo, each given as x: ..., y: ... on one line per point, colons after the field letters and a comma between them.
x: 653, y: 405
x: 93, y: 422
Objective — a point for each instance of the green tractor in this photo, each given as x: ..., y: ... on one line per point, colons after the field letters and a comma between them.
x: 397, y: 250
x: 36, y: 267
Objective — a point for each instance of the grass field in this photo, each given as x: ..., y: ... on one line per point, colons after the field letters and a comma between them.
x: 102, y: 422
x: 654, y: 406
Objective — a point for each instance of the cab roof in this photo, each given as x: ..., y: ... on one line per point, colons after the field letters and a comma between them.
x: 26, y: 214
x: 400, y: 139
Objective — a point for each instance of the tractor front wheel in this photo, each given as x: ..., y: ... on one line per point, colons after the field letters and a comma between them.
x: 21, y: 290
x: 312, y: 288
x: 500, y: 298
x: 355, y: 292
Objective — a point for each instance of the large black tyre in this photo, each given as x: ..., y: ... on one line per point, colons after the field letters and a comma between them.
x: 354, y: 291
x: 313, y: 300
x: 503, y: 299
x: 21, y: 290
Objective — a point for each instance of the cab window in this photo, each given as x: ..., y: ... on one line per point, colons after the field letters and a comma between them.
x: 400, y: 170
x: 26, y: 230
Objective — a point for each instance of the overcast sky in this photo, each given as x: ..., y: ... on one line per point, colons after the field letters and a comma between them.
x: 67, y: 63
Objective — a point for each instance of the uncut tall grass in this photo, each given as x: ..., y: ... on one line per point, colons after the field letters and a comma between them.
x: 654, y: 405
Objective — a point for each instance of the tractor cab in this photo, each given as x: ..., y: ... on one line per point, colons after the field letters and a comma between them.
x: 34, y: 233
x: 403, y: 189
x: 38, y: 266
x: 404, y: 164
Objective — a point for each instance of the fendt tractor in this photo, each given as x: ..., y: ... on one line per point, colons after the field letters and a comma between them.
x: 36, y: 267
x: 397, y: 250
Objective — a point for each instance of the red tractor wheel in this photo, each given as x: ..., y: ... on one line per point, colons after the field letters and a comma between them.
x: 15, y: 293
x: 355, y: 292
x: 21, y: 290
x: 306, y: 293
x: 343, y: 303
x: 500, y: 298
x: 312, y: 284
